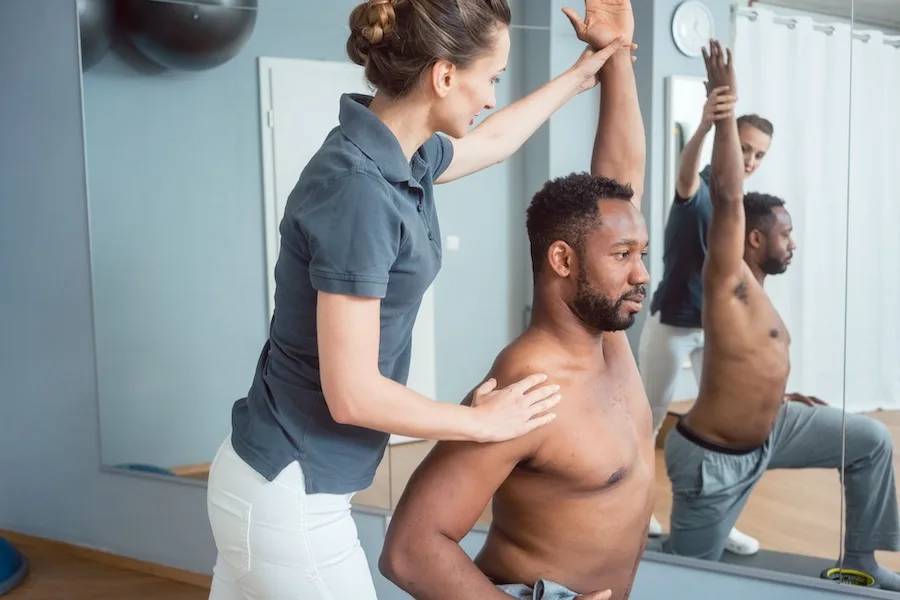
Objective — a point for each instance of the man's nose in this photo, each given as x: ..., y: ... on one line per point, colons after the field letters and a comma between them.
x: 640, y: 275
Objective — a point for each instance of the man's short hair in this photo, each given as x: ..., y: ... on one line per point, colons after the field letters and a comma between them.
x: 567, y: 209
x: 760, y: 210
x: 757, y: 121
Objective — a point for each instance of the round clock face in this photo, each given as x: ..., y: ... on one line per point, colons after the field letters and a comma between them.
x: 693, y: 26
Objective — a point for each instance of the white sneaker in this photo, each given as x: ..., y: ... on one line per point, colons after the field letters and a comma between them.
x: 655, y: 528
x: 741, y: 544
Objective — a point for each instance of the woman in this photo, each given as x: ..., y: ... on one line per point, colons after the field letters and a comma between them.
x: 360, y: 245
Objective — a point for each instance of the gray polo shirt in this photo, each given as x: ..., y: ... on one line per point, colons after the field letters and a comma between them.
x: 679, y: 297
x: 360, y: 221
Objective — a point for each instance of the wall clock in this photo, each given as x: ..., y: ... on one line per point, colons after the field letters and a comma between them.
x: 693, y: 26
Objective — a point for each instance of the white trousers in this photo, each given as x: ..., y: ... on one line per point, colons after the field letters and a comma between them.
x: 276, y: 541
x: 661, y: 354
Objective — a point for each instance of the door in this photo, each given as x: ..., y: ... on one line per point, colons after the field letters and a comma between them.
x: 299, y: 103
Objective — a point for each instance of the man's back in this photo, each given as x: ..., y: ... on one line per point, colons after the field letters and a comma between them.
x: 576, y: 510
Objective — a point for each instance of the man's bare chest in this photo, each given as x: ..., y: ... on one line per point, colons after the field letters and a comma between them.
x: 601, y: 438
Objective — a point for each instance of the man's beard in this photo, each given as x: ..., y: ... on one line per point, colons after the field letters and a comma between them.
x: 599, y: 313
x: 775, y: 266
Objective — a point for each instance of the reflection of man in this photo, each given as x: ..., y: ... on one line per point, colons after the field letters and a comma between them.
x: 571, y: 500
x: 673, y: 330
x: 741, y: 424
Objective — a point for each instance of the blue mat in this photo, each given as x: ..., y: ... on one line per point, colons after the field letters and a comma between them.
x: 13, y: 567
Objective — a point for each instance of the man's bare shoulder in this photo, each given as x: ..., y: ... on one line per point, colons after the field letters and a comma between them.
x: 529, y: 353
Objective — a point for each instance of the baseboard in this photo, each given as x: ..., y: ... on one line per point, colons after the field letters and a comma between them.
x: 122, y: 562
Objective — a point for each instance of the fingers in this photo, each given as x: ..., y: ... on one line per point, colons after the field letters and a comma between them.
x: 611, y: 48
x: 540, y: 394
x: 605, y: 595
x: 722, y: 108
x: 718, y: 115
x: 536, y: 422
x: 486, y: 387
x: 575, y: 20
x: 523, y: 385
x: 538, y: 408
x: 728, y: 52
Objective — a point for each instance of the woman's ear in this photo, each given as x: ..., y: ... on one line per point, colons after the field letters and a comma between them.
x: 443, y: 74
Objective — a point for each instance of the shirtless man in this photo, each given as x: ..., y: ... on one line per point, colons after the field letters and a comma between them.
x: 742, y: 422
x: 572, y: 500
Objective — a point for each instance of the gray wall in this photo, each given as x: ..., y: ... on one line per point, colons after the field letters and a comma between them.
x: 178, y: 252
x: 49, y: 443
x: 49, y: 449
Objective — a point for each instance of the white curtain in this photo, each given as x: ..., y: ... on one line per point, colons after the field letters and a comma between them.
x: 873, y: 279
x: 796, y: 72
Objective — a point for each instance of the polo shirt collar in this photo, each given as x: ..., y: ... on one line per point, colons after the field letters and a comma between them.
x: 376, y: 141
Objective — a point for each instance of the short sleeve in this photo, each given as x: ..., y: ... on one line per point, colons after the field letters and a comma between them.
x: 354, y: 234
x: 438, y: 151
x: 702, y: 189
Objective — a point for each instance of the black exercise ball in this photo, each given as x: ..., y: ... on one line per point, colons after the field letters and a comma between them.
x: 189, y: 35
x: 95, y: 22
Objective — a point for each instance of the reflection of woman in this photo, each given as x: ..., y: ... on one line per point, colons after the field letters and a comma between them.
x: 360, y: 245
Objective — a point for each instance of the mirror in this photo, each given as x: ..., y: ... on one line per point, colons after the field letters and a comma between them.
x: 762, y: 495
x: 872, y: 380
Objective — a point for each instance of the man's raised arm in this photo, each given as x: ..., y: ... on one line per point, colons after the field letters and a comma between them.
x: 619, y: 145
x: 439, y: 506
x: 725, y: 237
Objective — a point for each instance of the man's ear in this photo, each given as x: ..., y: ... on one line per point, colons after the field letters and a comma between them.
x: 756, y: 239
x: 562, y: 258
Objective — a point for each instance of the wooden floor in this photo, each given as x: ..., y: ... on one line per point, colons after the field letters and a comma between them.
x: 59, y: 575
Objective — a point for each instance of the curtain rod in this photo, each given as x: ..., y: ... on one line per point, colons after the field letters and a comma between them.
x: 826, y: 29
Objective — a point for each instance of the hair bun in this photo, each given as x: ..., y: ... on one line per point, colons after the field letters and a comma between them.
x: 381, y: 20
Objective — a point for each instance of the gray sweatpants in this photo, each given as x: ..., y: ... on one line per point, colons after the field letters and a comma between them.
x: 543, y: 590
x: 711, y: 483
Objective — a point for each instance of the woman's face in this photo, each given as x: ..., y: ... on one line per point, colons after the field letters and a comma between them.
x: 472, y: 89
